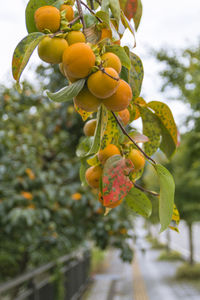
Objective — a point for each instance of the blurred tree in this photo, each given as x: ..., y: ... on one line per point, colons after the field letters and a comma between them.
x: 182, y: 71
x: 44, y: 212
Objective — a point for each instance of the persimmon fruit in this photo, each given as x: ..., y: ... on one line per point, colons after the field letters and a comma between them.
x: 87, y: 101
x: 47, y: 17
x: 74, y: 37
x: 120, y: 99
x: 89, y: 127
x: 124, y: 116
x: 102, y: 85
x: 111, y: 60
x: 137, y: 159
x: 93, y: 175
x: 69, y: 11
x: 51, y: 50
x: 107, y: 152
x: 78, y: 60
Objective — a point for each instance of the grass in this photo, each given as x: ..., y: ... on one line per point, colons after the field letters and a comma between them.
x: 98, y: 260
x: 170, y: 256
x: 190, y: 274
x: 155, y: 244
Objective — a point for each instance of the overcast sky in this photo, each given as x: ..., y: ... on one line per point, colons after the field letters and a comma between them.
x: 165, y: 23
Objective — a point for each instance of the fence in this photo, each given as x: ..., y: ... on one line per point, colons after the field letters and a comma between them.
x: 65, y: 279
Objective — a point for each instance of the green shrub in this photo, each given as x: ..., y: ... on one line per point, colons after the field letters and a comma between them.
x: 170, y: 256
x: 189, y: 272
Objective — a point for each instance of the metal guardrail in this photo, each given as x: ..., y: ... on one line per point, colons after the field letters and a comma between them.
x: 39, y: 285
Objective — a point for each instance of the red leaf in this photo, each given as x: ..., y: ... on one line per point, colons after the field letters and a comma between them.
x: 129, y: 7
x: 116, y: 183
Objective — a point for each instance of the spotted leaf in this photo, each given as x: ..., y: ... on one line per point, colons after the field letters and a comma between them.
x: 169, y: 129
x: 111, y: 132
x: 136, y: 75
x: 139, y: 202
x: 115, y: 181
x: 84, y: 114
x: 151, y: 128
x: 23, y: 52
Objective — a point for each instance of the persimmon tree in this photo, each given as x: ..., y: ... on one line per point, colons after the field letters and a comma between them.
x: 104, y: 81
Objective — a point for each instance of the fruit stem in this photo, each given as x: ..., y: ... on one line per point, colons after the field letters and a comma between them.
x: 103, y: 70
x: 74, y: 20
x: 130, y: 138
x: 137, y: 186
x: 92, y: 12
x: 80, y: 11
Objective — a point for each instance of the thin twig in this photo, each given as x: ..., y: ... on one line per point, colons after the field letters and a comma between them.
x: 74, y: 20
x: 92, y: 12
x: 130, y: 138
x: 146, y: 191
x: 103, y: 70
x: 80, y: 11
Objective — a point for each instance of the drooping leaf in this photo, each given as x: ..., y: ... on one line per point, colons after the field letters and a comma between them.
x: 136, y: 74
x: 151, y: 128
x: 169, y: 129
x: 166, y: 199
x: 104, y: 16
x: 84, y: 146
x: 105, y: 5
x: 129, y: 7
x: 115, y: 9
x: 102, y: 118
x: 175, y: 219
x: 116, y: 183
x: 121, y: 53
x: 67, y: 93
x: 124, y: 74
x: 23, y: 53
x: 30, y: 10
x: 84, y: 114
x: 111, y: 132
x: 127, y: 24
x: 82, y: 171
x: 139, y: 202
x: 138, y: 15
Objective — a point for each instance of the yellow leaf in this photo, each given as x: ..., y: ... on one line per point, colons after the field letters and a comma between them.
x: 111, y: 131
x: 165, y: 115
x: 84, y: 114
x: 174, y: 228
x: 93, y: 161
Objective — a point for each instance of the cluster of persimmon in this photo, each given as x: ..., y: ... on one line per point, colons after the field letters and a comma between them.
x: 94, y: 173
x: 77, y: 60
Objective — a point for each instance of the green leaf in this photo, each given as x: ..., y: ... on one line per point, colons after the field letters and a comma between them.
x: 31, y: 7
x: 139, y: 202
x: 127, y: 24
x: 67, y: 93
x: 115, y: 9
x: 121, y: 53
x: 104, y: 16
x: 124, y: 74
x: 151, y: 128
x: 84, y: 146
x: 169, y: 129
x: 83, y: 168
x: 105, y: 5
x: 102, y: 117
x: 138, y: 15
x: 166, y: 200
x: 136, y: 74
x: 23, y: 53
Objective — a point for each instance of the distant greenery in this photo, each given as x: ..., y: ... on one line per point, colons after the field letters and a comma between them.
x: 170, y: 256
x: 44, y: 211
x: 155, y: 244
x: 189, y: 272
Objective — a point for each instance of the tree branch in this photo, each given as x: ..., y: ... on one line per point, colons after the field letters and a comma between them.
x: 92, y: 12
x: 103, y: 70
x: 130, y: 138
x: 146, y: 191
x: 78, y: 2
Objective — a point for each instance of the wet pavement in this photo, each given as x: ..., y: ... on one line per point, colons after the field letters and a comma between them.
x: 146, y: 278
